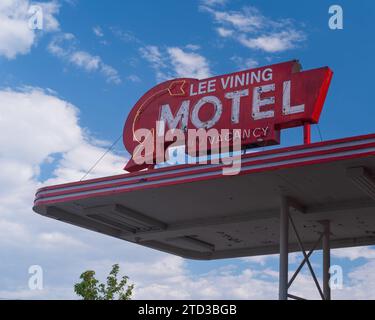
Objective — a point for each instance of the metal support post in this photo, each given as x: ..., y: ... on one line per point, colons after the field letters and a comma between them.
x: 284, y: 250
x: 326, y: 260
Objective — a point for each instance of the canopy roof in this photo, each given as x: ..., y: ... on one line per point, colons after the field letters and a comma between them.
x: 196, y: 212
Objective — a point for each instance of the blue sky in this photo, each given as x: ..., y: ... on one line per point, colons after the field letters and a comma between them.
x: 65, y: 92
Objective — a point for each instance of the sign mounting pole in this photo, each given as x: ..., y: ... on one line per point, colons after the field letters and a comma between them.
x: 307, y: 133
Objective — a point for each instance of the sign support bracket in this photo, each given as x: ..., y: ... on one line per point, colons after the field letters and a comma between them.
x: 306, y: 133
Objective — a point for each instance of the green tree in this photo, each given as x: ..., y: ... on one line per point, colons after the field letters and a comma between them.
x: 90, y: 289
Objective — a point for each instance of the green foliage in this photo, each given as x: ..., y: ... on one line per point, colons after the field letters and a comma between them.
x: 90, y: 289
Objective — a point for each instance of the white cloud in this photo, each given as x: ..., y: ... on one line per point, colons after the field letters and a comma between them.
x: 75, y: 163
x: 188, y: 64
x: 9, y: 228
x: 16, y: 37
x: 52, y: 240
x: 85, y: 60
x: 124, y: 35
x: 50, y: 10
x: 248, y: 20
x: 224, y: 32
x: 213, y: 2
x: 157, y: 61
x: 110, y: 73
x: 46, y: 126
x: 133, y: 78
x: 354, y: 253
x: 169, y: 278
x: 153, y: 55
x: 98, y: 31
x: 275, y: 42
x: 72, y: 3
x: 243, y: 63
x: 360, y: 283
x: 55, y: 46
x: 64, y: 47
x: 192, y: 47
x: 36, y: 112
x: 39, y: 129
x: 176, y: 62
x: 255, y: 31
x: 259, y: 259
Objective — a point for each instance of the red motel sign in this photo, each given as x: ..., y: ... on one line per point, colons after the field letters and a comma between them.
x: 260, y: 102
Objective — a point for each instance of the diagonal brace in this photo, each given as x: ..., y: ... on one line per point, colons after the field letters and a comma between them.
x: 306, y: 258
x: 304, y: 261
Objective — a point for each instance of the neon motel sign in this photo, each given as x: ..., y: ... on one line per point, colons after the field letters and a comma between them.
x: 247, y: 109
